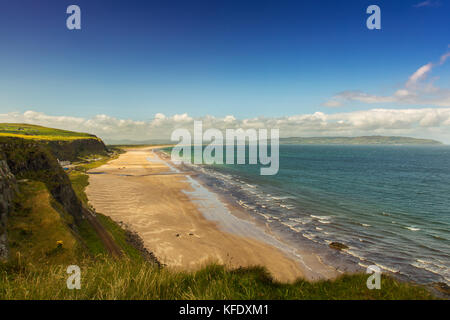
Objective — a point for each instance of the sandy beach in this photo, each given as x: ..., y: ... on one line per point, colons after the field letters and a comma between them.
x: 142, y: 191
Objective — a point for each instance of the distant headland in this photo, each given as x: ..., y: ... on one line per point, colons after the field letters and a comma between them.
x: 363, y: 140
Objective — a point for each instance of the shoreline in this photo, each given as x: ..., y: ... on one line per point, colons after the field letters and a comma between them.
x: 312, y: 264
x: 183, y: 226
x: 333, y: 249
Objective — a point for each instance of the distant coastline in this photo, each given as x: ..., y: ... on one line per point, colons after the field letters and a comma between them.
x: 363, y: 140
x: 360, y: 140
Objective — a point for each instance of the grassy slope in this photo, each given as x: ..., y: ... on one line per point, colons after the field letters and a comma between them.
x: 40, y: 273
x: 28, y: 131
x: 35, y: 226
x: 129, y: 279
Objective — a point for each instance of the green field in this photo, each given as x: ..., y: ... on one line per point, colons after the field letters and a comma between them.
x: 28, y: 131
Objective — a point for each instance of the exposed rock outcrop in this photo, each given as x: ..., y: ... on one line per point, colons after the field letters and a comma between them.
x: 28, y: 159
x: 8, y: 188
x: 34, y: 159
x: 72, y: 150
x: 338, y: 246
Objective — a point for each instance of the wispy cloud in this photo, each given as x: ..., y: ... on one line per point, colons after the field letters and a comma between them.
x: 416, y: 91
x: 427, y: 122
x: 428, y: 3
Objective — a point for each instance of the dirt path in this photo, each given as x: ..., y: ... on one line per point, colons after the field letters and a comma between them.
x: 106, y: 238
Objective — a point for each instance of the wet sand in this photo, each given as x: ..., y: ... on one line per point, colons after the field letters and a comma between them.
x: 143, y: 192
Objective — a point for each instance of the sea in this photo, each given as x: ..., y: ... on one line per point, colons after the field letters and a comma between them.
x: 390, y: 204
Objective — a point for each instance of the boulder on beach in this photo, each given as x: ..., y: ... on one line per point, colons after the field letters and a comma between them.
x: 338, y: 246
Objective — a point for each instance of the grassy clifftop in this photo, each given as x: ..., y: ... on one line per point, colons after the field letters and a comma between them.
x: 63, y: 144
x: 29, y: 131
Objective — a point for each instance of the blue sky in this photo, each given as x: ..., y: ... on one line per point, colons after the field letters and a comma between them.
x: 133, y: 59
x: 139, y: 69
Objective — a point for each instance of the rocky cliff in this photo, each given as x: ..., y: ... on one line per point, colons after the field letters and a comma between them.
x: 72, y: 150
x: 64, y: 144
x: 8, y: 188
x: 28, y: 159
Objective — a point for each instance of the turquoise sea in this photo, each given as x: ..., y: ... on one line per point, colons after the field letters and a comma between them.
x: 389, y: 204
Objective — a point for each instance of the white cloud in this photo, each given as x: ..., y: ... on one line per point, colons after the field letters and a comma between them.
x: 229, y: 119
x: 426, y: 122
x: 427, y: 3
x: 182, y: 118
x: 420, y: 74
x: 444, y: 57
x: 332, y: 103
x: 415, y: 91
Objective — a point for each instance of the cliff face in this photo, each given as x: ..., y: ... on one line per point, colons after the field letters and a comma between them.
x: 8, y: 188
x: 74, y: 149
x: 64, y: 144
x: 37, y: 160
x: 33, y: 160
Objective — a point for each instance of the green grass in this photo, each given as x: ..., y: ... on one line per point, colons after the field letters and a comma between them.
x: 90, y: 239
x: 108, y: 278
x: 87, y: 164
x: 120, y: 237
x: 28, y: 131
x: 36, y: 224
x: 79, y: 182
